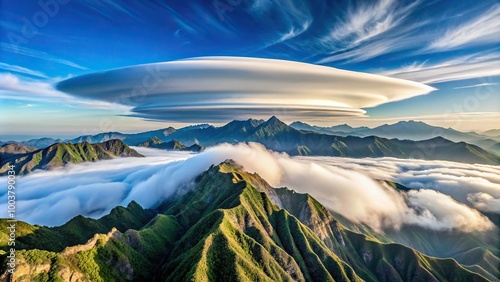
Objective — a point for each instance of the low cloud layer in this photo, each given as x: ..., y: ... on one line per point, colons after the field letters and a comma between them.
x: 92, y: 189
x: 475, y: 185
x: 217, y: 89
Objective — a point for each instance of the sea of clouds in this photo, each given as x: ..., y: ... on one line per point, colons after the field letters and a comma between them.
x: 446, y: 195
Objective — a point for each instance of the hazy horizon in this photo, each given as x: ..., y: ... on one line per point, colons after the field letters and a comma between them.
x: 65, y: 136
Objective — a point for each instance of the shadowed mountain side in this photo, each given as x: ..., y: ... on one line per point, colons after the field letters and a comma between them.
x: 175, y: 145
x: 276, y: 135
x: 410, y: 130
x: 16, y: 149
x: 8, y: 151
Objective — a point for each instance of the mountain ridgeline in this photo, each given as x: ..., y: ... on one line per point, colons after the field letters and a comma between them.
x: 409, y: 130
x: 303, y: 139
x: 230, y: 226
x: 27, y: 159
x: 276, y: 135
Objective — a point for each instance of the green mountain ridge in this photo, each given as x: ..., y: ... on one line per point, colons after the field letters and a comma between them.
x: 60, y: 154
x: 227, y: 228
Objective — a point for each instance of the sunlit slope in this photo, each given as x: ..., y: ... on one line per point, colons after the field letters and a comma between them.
x: 59, y: 154
x: 227, y: 228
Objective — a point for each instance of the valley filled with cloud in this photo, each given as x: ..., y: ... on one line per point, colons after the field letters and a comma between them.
x: 444, y: 195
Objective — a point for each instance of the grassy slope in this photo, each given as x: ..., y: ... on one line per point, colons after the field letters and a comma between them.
x: 227, y: 229
x: 76, y: 231
x: 60, y: 154
x: 236, y: 233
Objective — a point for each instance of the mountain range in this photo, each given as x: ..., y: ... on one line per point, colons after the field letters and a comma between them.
x: 230, y: 226
x: 27, y: 159
x: 302, y: 139
x: 409, y: 130
x: 277, y: 136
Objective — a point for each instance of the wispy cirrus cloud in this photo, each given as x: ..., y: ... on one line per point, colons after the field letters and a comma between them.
x: 294, y: 18
x: 476, y: 85
x: 112, y: 9
x: 366, y: 21
x: 16, y: 49
x: 482, y: 29
x: 371, y: 30
x: 19, y: 69
x: 459, y: 68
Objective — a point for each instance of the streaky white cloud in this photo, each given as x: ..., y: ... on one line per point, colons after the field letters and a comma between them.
x: 16, y: 49
x: 19, y: 69
x: 114, y: 10
x: 366, y: 21
x: 296, y: 15
x: 218, y: 89
x: 482, y: 29
x: 460, y: 68
x: 293, y: 32
x: 371, y: 30
x: 53, y: 197
x: 477, y: 85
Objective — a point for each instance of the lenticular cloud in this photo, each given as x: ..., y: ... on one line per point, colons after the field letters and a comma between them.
x: 93, y: 189
x: 215, y: 89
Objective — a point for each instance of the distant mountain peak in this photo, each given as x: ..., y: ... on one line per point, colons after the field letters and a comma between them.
x: 411, y: 122
x: 298, y: 123
x: 341, y: 127
x: 274, y: 120
x: 156, y: 139
x: 150, y: 142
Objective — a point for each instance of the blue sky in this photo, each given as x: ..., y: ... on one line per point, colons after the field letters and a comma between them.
x: 452, y: 46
